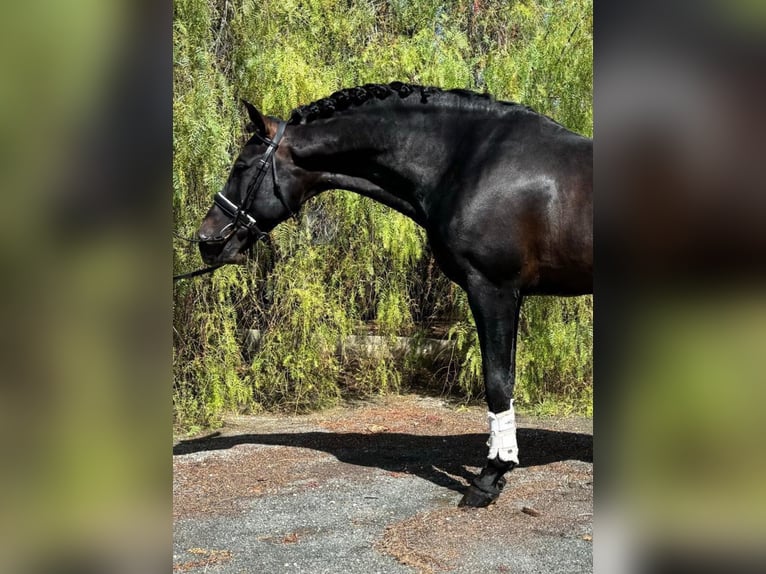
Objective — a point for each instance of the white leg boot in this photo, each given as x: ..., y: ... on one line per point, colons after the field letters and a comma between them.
x: 502, y: 436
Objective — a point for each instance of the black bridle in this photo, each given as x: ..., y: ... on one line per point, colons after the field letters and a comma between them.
x: 240, y: 217
x: 239, y: 214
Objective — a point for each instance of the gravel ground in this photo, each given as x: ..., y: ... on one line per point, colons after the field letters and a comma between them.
x: 374, y: 488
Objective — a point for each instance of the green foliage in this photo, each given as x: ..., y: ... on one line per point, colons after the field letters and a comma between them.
x: 549, y: 65
x: 556, y: 360
x: 296, y: 366
x: 351, y: 264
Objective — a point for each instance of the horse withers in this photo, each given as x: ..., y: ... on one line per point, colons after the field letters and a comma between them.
x: 504, y: 194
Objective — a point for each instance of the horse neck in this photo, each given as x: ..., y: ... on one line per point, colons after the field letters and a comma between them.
x: 387, y: 158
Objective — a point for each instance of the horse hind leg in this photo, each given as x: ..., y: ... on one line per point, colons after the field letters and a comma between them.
x: 496, y: 313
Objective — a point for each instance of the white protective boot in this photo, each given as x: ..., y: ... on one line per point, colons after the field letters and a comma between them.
x: 502, y: 436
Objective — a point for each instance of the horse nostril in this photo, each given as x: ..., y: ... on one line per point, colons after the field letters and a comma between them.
x: 202, y: 236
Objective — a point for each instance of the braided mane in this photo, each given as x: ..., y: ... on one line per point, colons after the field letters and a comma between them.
x: 350, y: 97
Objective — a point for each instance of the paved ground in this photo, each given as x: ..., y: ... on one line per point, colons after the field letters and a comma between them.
x: 374, y: 488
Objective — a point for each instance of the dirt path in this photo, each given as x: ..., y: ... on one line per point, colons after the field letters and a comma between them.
x: 375, y: 488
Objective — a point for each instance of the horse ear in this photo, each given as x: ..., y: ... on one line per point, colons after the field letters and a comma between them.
x: 257, y: 122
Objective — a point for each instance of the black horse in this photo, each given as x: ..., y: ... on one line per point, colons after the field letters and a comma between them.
x: 504, y: 194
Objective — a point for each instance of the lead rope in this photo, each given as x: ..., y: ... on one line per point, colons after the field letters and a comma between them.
x: 195, y: 273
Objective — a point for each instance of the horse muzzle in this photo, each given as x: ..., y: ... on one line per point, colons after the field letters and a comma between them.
x: 231, y: 249
x: 220, y: 252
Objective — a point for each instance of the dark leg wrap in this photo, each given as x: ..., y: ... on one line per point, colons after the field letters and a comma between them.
x: 486, y: 487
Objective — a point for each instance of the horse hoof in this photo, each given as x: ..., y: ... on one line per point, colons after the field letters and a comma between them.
x: 477, y: 498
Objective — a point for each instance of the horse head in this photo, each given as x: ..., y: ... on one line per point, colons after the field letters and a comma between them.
x: 264, y: 188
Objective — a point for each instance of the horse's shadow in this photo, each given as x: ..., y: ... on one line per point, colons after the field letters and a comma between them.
x: 436, y: 458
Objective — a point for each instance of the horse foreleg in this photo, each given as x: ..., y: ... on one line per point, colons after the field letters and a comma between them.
x: 496, y: 312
